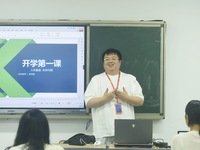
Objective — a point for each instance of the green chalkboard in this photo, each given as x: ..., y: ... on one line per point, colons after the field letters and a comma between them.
x: 142, y: 56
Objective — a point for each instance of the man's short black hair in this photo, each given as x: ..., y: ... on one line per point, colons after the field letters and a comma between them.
x: 112, y: 51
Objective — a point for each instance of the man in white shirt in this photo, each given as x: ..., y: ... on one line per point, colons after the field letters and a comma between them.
x: 112, y: 95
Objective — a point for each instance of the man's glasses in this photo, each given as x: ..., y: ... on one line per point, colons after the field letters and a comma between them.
x: 110, y: 59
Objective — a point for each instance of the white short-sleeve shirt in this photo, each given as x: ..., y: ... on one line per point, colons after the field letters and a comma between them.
x: 103, y: 116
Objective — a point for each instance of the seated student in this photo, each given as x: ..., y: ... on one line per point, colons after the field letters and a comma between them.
x: 191, y: 139
x: 33, y: 133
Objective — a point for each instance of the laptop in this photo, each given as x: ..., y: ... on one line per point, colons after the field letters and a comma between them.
x: 137, y: 133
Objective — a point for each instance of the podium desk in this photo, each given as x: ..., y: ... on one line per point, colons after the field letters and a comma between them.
x: 104, y: 147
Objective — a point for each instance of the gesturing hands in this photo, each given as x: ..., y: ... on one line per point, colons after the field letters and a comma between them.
x: 123, y: 95
x: 116, y: 93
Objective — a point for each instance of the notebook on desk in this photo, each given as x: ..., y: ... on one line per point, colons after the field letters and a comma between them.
x: 129, y: 132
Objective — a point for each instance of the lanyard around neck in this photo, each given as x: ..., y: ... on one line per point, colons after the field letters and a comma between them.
x: 112, y: 82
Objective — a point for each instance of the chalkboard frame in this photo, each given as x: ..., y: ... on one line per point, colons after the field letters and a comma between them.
x: 161, y: 26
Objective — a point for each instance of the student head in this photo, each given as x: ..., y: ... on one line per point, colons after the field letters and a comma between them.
x: 112, y: 60
x: 192, y: 113
x: 33, y: 130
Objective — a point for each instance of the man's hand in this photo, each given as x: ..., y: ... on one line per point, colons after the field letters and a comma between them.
x: 121, y: 94
x: 109, y: 95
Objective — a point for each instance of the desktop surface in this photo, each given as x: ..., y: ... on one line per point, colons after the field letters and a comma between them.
x: 104, y: 147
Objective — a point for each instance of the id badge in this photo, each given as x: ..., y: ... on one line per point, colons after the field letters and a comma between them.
x: 118, y: 108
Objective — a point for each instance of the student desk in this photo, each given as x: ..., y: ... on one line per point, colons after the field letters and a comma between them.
x: 103, y: 147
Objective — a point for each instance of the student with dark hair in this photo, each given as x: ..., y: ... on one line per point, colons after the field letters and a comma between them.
x: 191, y: 139
x: 112, y: 95
x: 33, y: 133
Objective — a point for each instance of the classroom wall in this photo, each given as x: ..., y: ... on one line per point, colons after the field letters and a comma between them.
x: 182, y: 75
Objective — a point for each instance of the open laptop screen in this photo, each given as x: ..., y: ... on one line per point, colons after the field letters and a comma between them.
x: 130, y: 132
